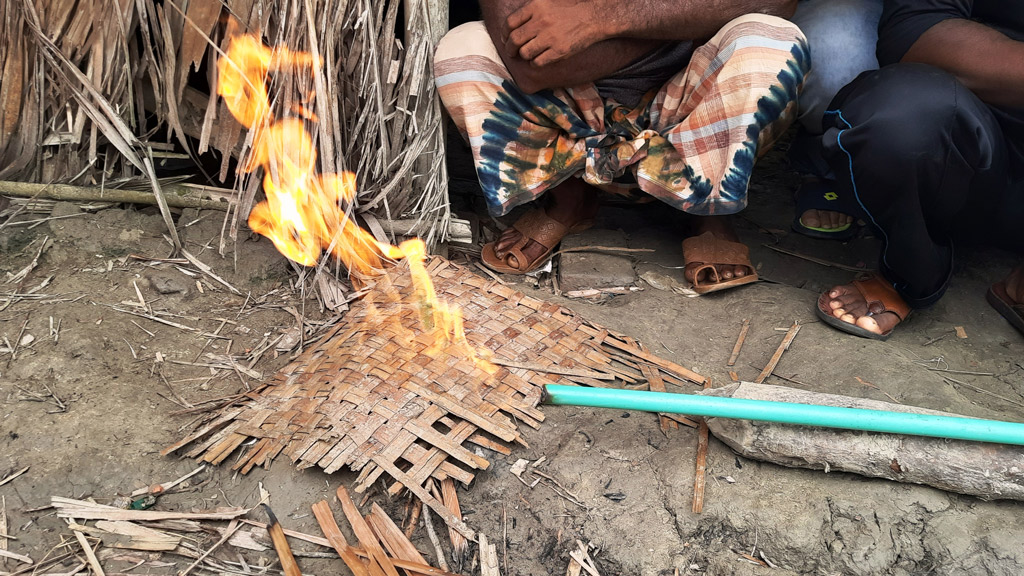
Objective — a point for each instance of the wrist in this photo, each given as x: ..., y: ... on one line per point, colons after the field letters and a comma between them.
x: 605, y: 17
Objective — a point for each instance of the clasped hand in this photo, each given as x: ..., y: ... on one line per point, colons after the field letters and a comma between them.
x: 544, y: 32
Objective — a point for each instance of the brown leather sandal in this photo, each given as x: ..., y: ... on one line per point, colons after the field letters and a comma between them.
x: 535, y: 225
x: 876, y: 290
x: 1007, y: 307
x: 710, y: 251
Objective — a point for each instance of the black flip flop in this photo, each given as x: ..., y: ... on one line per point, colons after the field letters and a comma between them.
x: 821, y: 195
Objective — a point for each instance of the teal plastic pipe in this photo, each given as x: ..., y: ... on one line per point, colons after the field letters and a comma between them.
x: 955, y: 427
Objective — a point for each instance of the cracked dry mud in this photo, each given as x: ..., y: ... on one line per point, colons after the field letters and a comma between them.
x: 635, y: 482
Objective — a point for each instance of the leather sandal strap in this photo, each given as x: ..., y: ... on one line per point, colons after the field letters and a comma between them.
x: 714, y: 273
x: 710, y: 249
x: 874, y: 289
x: 515, y: 258
x: 536, y: 225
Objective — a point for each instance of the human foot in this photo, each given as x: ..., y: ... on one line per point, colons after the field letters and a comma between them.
x: 826, y: 220
x: 822, y: 212
x: 1007, y: 297
x: 570, y: 207
x: 869, y: 307
x: 715, y: 258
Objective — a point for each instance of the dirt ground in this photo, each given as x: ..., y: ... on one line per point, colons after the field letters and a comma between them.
x: 121, y: 380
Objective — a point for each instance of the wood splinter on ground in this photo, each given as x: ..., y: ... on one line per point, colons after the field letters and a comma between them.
x: 739, y: 343
x: 786, y: 342
x: 280, y: 541
x: 580, y: 560
x: 375, y: 532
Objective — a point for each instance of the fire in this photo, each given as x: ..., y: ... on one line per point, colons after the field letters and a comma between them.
x: 305, y: 211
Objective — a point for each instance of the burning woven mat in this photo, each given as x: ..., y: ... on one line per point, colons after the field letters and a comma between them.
x: 382, y: 396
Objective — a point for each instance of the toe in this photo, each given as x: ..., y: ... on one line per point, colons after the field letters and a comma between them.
x: 688, y: 272
x: 811, y: 219
x: 868, y: 323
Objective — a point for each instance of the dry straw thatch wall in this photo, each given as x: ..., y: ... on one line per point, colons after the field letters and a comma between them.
x: 96, y: 91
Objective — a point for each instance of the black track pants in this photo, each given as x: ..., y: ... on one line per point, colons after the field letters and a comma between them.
x: 924, y: 157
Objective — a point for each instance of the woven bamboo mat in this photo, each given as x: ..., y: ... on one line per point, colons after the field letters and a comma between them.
x: 376, y: 396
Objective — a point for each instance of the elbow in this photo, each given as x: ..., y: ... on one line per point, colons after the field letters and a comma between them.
x: 528, y: 78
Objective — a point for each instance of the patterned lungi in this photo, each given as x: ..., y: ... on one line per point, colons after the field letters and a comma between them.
x: 692, y: 143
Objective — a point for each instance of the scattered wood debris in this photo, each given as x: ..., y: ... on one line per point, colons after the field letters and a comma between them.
x: 739, y: 343
x: 449, y: 497
x: 4, y: 534
x: 18, y: 557
x: 161, y: 539
x: 522, y: 467
x: 599, y: 293
x: 816, y: 260
x: 786, y: 342
x: 375, y: 532
x: 580, y: 561
x: 165, y: 486
x: 83, y: 510
x: 488, y: 558
x: 376, y: 391
x: 10, y: 477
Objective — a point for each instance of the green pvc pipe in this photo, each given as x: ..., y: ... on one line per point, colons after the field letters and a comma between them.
x: 954, y: 427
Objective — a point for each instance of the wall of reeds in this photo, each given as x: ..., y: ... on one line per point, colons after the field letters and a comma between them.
x: 102, y: 92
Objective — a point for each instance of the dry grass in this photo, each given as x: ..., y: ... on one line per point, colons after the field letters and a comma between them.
x: 100, y: 90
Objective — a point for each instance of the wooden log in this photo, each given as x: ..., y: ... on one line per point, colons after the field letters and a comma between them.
x: 987, y: 471
x: 177, y: 195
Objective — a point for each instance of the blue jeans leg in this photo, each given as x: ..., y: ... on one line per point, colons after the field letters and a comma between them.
x: 842, y: 35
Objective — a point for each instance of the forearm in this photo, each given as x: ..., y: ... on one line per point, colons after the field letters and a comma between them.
x: 679, y: 19
x: 547, y: 31
x: 985, y: 60
x: 598, y: 61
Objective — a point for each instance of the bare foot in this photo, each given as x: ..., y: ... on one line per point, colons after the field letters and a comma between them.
x: 721, y: 227
x: 571, y: 203
x: 825, y: 220
x: 848, y: 304
x: 816, y: 190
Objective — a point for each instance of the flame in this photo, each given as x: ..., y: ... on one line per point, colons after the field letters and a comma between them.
x: 305, y: 211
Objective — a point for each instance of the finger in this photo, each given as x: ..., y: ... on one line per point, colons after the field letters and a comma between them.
x: 533, y: 50
x: 519, y: 17
x: 548, y: 57
x: 519, y: 37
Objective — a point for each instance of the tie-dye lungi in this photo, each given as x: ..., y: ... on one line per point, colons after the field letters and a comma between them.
x: 691, y: 144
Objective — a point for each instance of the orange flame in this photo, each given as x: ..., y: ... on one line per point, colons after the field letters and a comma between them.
x: 304, y: 213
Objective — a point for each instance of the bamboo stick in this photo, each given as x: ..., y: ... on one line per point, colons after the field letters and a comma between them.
x: 177, y: 195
